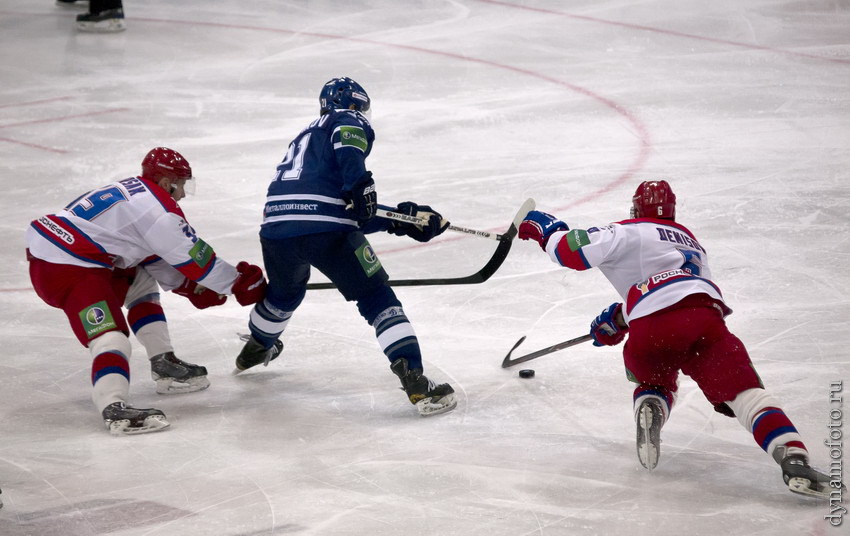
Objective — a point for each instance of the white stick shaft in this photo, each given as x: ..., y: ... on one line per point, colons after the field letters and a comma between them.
x: 423, y: 222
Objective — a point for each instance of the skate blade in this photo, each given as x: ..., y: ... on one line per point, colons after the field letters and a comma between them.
x: 111, y: 26
x: 444, y: 404
x: 237, y: 371
x: 801, y: 486
x: 170, y: 386
x: 648, y: 457
x: 154, y: 423
x: 648, y: 453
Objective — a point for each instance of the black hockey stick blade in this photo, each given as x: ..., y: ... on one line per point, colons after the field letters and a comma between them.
x: 508, y: 362
x: 482, y: 275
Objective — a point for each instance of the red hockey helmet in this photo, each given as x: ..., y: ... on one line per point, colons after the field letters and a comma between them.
x: 654, y: 199
x: 164, y: 162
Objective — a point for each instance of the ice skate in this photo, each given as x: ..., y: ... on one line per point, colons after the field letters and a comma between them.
x: 121, y: 419
x: 650, y: 419
x: 108, y: 21
x: 428, y: 397
x: 802, y: 478
x: 174, y: 376
x: 253, y: 354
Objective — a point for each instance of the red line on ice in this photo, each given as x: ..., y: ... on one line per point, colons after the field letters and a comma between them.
x: 667, y: 32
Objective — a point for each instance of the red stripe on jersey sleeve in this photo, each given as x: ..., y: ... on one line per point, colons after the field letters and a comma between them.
x: 194, y: 271
x: 569, y: 258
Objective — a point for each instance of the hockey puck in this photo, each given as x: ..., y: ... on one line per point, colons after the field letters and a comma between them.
x: 526, y: 373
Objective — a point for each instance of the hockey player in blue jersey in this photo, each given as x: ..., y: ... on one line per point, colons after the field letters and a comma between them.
x: 320, y: 205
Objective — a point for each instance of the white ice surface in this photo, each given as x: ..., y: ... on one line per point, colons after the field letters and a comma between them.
x: 743, y: 106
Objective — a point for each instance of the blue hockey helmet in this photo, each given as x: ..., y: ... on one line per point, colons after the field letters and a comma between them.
x: 343, y: 94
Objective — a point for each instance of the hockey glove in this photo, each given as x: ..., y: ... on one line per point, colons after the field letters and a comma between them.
x: 539, y: 226
x: 421, y: 233
x: 250, y: 285
x: 362, y: 199
x: 609, y: 329
x: 200, y: 296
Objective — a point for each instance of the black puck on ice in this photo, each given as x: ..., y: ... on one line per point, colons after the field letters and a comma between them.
x: 526, y: 373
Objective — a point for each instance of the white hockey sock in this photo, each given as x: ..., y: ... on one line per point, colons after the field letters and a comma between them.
x: 268, y: 320
x: 155, y: 338
x: 396, y: 336
x: 760, y: 414
x: 110, y: 369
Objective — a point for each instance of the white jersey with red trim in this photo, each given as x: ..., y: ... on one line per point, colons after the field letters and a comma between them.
x: 124, y: 224
x: 652, y: 263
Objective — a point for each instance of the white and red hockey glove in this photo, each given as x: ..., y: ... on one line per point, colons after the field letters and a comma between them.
x: 200, y: 296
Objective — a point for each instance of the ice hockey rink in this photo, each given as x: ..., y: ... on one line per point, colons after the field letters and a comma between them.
x: 478, y: 105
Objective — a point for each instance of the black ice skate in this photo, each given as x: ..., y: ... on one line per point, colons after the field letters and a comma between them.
x: 121, y: 419
x: 801, y: 478
x: 108, y: 21
x: 649, y: 418
x: 428, y: 397
x: 174, y: 376
x: 253, y: 354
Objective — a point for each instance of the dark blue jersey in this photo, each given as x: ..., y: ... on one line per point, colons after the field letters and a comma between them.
x: 324, y: 160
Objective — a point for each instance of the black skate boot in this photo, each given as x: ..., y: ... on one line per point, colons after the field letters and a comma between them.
x: 428, y: 397
x: 801, y: 478
x: 175, y: 376
x: 649, y: 419
x: 107, y: 21
x: 253, y: 353
x: 121, y: 419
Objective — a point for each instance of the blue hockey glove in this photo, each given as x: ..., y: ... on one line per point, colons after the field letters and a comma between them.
x: 420, y: 233
x: 540, y: 226
x: 363, y: 199
x: 605, y: 328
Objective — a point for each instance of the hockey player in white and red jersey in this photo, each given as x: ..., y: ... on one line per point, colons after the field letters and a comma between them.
x: 674, y: 315
x: 116, y: 245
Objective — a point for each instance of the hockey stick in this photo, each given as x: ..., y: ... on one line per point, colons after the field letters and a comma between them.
x: 508, y: 362
x: 496, y: 260
x: 423, y: 222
